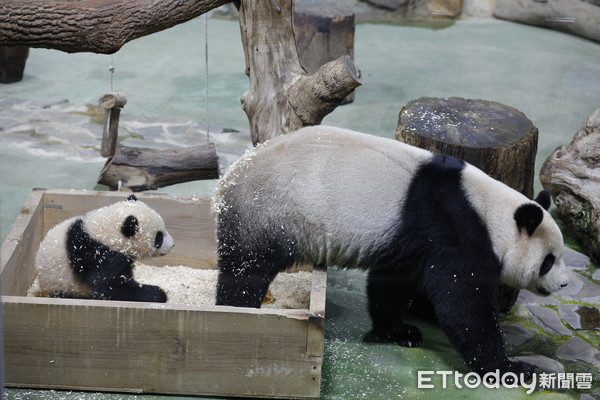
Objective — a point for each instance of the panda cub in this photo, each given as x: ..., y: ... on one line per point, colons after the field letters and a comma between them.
x: 92, y: 256
x: 423, y: 225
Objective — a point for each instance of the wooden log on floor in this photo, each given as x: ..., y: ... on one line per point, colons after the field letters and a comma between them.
x: 143, y: 169
x: 496, y: 138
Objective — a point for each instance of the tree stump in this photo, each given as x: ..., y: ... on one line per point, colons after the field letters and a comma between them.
x: 323, y: 33
x: 499, y: 140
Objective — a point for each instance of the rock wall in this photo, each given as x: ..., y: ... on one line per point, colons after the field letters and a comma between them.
x: 572, y: 174
x: 580, y: 17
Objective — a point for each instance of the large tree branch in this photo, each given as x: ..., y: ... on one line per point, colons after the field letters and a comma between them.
x: 314, y: 96
x: 97, y: 26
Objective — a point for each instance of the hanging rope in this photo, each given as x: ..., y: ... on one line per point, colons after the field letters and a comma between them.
x: 206, y: 76
x: 111, y: 71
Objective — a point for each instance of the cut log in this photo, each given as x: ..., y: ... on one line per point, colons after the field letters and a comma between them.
x: 497, y: 139
x: 273, y: 67
x: 572, y: 175
x: 143, y: 169
x: 323, y: 33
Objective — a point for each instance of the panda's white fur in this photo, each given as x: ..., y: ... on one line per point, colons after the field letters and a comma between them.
x: 519, y: 253
x: 335, y: 197
x: 55, y: 275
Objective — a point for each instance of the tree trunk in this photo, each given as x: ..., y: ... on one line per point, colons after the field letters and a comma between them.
x: 496, y: 138
x: 97, y: 26
x: 280, y: 89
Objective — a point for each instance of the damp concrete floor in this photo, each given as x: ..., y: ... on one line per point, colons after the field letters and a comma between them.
x: 551, y: 77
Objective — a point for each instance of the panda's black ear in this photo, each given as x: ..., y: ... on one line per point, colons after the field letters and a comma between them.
x: 543, y: 199
x: 529, y: 216
x: 132, y: 197
x: 130, y: 226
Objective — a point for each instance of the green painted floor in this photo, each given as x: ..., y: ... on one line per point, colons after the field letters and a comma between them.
x: 552, y: 77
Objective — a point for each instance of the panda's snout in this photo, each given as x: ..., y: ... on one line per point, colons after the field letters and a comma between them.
x: 167, y: 244
x: 549, y: 286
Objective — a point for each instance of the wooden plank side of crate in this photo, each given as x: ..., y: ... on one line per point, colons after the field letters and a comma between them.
x: 188, y: 220
x: 102, y: 345
x: 316, y: 318
x: 17, y: 254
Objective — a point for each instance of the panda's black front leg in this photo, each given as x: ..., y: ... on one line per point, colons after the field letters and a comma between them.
x: 467, y: 314
x: 115, y: 282
x: 131, y: 290
x: 390, y: 293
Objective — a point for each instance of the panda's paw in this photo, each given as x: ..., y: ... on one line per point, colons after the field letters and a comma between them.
x: 151, y: 293
x: 404, y: 335
x: 521, y: 367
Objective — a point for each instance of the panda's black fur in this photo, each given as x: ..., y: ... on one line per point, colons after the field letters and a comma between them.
x: 439, y: 251
x: 107, y: 272
x: 481, y: 270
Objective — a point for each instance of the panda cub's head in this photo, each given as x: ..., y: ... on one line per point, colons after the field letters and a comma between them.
x: 129, y: 227
x: 534, y: 261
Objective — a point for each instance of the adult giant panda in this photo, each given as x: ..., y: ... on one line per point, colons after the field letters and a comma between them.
x: 93, y: 255
x: 419, y: 222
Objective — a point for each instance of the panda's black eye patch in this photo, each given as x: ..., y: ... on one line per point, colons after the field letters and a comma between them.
x: 130, y: 226
x: 547, y: 264
x: 158, y: 240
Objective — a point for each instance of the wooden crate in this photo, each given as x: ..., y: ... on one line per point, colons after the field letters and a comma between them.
x: 149, y: 347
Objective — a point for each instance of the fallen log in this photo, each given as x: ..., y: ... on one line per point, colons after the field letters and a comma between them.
x: 144, y: 169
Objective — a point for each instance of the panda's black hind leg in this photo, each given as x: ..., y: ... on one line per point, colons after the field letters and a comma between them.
x: 390, y: 294
x: 250, y: 254
x: 242, y: 287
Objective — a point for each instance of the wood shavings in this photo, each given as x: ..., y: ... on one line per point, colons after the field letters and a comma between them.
x: 195, y: 286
